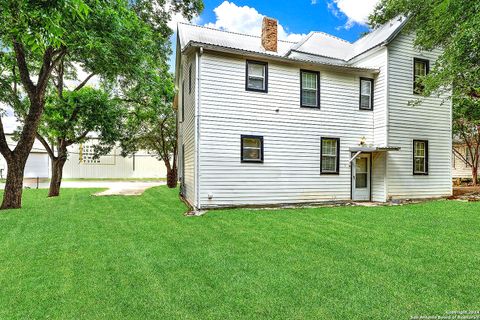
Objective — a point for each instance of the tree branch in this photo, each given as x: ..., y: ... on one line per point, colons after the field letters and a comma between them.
x: 46, y: 146
x: 23, y: 68
x: 84, y: 82
x: 49, y: 63
x: 78, y: 139
x: 4, y: 149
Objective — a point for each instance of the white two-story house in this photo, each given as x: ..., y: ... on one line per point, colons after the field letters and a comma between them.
x: 263, y: 121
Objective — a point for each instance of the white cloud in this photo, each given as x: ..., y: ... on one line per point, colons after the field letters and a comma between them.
x: 248, y: 20
x: 356, y: 11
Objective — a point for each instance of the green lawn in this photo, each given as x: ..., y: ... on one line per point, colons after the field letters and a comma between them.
x: 85, y: 257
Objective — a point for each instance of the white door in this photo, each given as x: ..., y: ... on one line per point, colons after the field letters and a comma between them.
x: 361, y: 178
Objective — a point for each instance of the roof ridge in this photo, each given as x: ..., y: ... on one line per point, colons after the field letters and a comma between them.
x: 231, y: 32
x: 332, y: 36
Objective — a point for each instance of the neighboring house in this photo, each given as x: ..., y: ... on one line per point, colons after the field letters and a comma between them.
x: 80, y: 163
x: 266, y: 122
x: 460, y: 169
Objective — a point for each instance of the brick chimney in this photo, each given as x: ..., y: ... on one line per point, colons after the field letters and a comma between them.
x: 269, y: 34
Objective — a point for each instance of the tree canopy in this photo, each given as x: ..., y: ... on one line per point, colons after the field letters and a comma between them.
x: 152, y: 122
x: 115, y: 40
x: 453, y: 26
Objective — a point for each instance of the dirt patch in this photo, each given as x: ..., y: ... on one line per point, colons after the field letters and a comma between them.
x: 459, y: 191
x: 466, y: 193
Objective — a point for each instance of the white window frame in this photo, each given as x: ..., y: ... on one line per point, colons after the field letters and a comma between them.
x: 316, y: 89
x: 336, y: 156
x: 424, y: 157
x: 264, y: 78
x: 260, y: 148
x: 370, y: 95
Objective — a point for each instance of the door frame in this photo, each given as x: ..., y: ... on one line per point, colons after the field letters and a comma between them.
x: 370, y: 175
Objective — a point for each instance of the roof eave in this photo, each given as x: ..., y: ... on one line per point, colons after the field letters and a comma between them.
x: 195, y: 44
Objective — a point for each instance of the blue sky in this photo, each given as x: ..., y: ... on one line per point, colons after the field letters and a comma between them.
x: 343, y: 18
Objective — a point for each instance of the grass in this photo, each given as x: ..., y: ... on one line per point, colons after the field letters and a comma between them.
x: 85, y: 257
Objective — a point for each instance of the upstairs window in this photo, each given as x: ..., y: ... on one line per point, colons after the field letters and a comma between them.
x: 366, y: 94
x: 420, y: 157
x: 420, y: 69
x: 251, y: 148
x: 330, y: 155
x: 309, y: 89
x: 256, y: 76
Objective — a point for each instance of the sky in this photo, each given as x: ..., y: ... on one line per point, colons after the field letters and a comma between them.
x: 345, y: 19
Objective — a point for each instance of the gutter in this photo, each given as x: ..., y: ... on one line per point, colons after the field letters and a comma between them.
x: 194, y: 44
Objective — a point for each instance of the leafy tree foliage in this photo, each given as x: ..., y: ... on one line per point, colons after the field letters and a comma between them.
x: 466, y: 128
x: 70, y: 119
x: 152, y: 121
x: 36, y: 37
x: 116, y: 40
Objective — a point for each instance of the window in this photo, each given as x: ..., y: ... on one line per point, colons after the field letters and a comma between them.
x: 256, y: 76
x: 366, y: 94
x: 87, y: 153
x: 309, y: 89
x: 252, y: 148
x: 420, y: 69
x: 190, y: 79
x: 183, y: 102
x: 420, y: 157
x: 86, y: 156
x: 330, y: 155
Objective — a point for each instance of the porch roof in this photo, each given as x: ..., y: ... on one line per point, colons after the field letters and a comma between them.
x: 374, y: 149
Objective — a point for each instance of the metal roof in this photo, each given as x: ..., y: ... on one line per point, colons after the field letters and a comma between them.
x: 192, y: 33
x: 374, y: 149
x: 316, y: 47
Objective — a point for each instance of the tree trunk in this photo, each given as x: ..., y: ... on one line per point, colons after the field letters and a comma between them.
x: 12, y: 196
x: 172, y: 177
x: 57, y: 172
x: 475, y: 175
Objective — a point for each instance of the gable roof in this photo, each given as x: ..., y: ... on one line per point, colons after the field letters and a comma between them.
x: 328, y: 46
x: 316, y: 47
x: 191, y: 33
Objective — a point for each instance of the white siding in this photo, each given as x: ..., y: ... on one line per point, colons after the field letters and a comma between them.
x: 37, y: 166
x: 378, y: 59
x: 187, y: 128
x: 113, y: 165
x: 429, y: 121
x: 291, y: 169
x: 459, y: 168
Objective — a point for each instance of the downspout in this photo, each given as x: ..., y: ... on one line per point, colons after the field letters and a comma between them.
x: 387, y: 120
x: 198, y: 55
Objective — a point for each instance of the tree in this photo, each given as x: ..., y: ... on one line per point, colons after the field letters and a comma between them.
x: 32, y: 43
x: 37, y: 37
x: 152, y: 121
x: 453, y: 26
x: 70, y: 119
x: 106, y: 38
x: 466, y: 127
